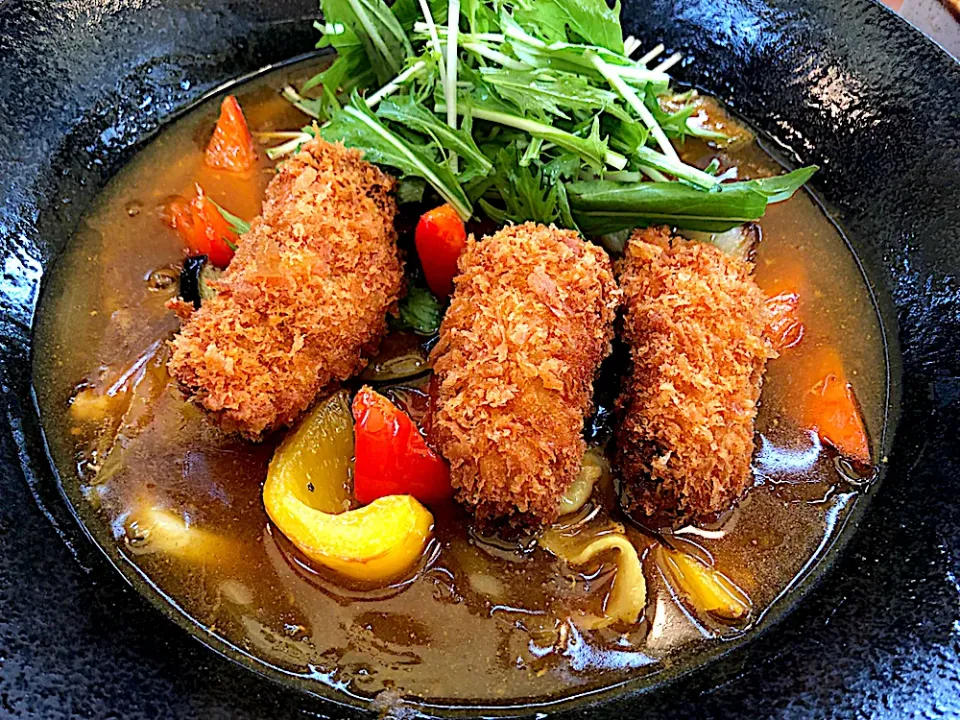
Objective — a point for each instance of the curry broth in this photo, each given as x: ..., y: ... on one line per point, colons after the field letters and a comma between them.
x: 480, y: 620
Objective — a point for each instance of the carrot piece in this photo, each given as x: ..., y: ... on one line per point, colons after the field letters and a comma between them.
x: 203, y: 229
x: 783, y: 274
x: 785, y: 328
x: 832, y: 411
x: 231, y: 147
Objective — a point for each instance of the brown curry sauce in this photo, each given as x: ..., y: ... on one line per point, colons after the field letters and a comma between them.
x: 481, y: 620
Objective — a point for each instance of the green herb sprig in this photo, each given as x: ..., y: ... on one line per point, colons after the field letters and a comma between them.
x: 531, y: 110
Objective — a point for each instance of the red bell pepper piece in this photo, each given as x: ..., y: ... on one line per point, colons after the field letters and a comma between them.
x: 201, y: 226
x: 440, y: 238
x: 785, y: 328
x: 231, y: 147
x: 392, y: 457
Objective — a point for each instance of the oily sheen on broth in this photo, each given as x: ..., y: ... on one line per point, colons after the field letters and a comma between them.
x: 481, y: 619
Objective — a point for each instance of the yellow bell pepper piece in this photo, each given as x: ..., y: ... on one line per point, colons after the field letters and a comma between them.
x: 312, y: 467
x: 707, y: 588
x: 318, y: 456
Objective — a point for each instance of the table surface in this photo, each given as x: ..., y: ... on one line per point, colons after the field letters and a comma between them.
x: 940, y: 19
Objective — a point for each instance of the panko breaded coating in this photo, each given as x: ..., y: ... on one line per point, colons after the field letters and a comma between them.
x: 694, y: 321
x: 304, y: 301
x: 530, y: 321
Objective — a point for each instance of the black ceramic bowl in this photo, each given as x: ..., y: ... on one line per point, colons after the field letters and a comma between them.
x: 840, y: 83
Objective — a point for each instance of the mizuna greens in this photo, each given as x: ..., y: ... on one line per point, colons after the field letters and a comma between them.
x: 528, y: 110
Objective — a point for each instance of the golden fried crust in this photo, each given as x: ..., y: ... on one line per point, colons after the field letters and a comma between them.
x: 694, y: 320
x: 530, y: 321
x: 303, y: 302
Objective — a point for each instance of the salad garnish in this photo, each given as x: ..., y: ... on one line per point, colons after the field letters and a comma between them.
x: 529, y: 110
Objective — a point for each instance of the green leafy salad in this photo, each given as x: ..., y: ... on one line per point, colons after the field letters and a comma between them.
x: 527, y: 110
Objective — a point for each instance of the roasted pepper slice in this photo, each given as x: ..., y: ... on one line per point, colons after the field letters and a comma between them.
x: 306, y: 490
x: 202, y: 228
x: 830, y: 408
x: 440, y: 238
x: 231, y: 147
x: 706, y: 588
x: 392, y: 456
x: 834, y: 414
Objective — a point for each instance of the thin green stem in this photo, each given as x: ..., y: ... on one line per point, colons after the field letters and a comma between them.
x: 654, y: 175
x: 495, y: 55
x: 640, y: 75
x: 625, y: 176
x: 374, y: 34
x: 668, y: 63
x: 633, y: 100
x: 532, y: 152
x: 434, y: 39
x: 394, y: 85
x: 298, y: 101
x: 463, y: 211
x: 547, y: 132
x: 651, y: 54
x: 450, y: 88
x: 652, y: 159
x: 288, y: 147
